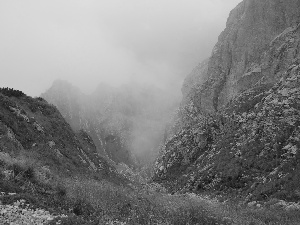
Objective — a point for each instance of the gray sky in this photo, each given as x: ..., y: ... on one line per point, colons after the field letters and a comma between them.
x: 112, y: 41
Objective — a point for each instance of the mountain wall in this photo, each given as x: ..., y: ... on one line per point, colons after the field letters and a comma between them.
x: 250, y: 28
x: 238, y: 124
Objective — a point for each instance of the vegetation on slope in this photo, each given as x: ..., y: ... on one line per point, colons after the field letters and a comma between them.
x: 33, y: 128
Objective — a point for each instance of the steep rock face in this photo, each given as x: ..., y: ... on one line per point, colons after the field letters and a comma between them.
x: 251, y: 26
x: 195, y: 79
x: 238, y: 130
x: 33, y: 129
x: 123, y: 122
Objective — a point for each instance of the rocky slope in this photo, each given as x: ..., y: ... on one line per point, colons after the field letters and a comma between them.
x: 238, y: 125
x: 34, y: 131
x: 126, y: 123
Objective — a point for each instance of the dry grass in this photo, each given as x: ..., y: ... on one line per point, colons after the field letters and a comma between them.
x: 143, y: 206
x: 241, y: 214
x: 101, y: 202
x: 271, y: 216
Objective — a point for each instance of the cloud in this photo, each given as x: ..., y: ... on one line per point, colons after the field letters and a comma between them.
x: 113, y: 41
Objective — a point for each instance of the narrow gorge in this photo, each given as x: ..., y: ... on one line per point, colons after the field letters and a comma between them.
x: 226, y: 152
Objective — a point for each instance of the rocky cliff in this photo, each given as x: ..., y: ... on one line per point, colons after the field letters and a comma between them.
x: 237, y: 126
x: 250, y: 28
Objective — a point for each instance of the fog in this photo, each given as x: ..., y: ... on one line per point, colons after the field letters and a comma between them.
x: 113, y: 41
x: 134, y: 44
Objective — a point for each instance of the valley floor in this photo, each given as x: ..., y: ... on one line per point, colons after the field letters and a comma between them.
x: 29, y: 198
x: 100, y: 202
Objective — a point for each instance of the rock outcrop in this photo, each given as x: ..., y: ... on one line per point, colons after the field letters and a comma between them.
x: 237, y: 126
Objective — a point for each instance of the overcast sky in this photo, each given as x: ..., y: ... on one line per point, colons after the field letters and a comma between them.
x: 114, y: 41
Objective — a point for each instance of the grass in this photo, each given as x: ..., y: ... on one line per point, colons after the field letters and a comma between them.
x: 241, y: 214
x: 88, y: 201
x: 130, y: 206
x: 271, y: 216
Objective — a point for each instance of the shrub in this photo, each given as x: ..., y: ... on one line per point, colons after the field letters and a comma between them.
x: 72, y: 220
x: 10, y: 92
x: 82, y: 207
x: 28, y: 173
x: 41, y: 99
x: 20, y: 167
x: 61, y: 191
x: 8, y: 186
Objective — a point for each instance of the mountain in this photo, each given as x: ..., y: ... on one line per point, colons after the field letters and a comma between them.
x: 127, y: 123
x: 33, y: 130
x: 237, y: 128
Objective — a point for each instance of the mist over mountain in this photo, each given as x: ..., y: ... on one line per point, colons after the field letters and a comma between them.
x: 126, y: 123
x: 115, y: 42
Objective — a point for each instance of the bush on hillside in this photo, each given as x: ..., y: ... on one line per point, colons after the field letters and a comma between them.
x: 10, y: 92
